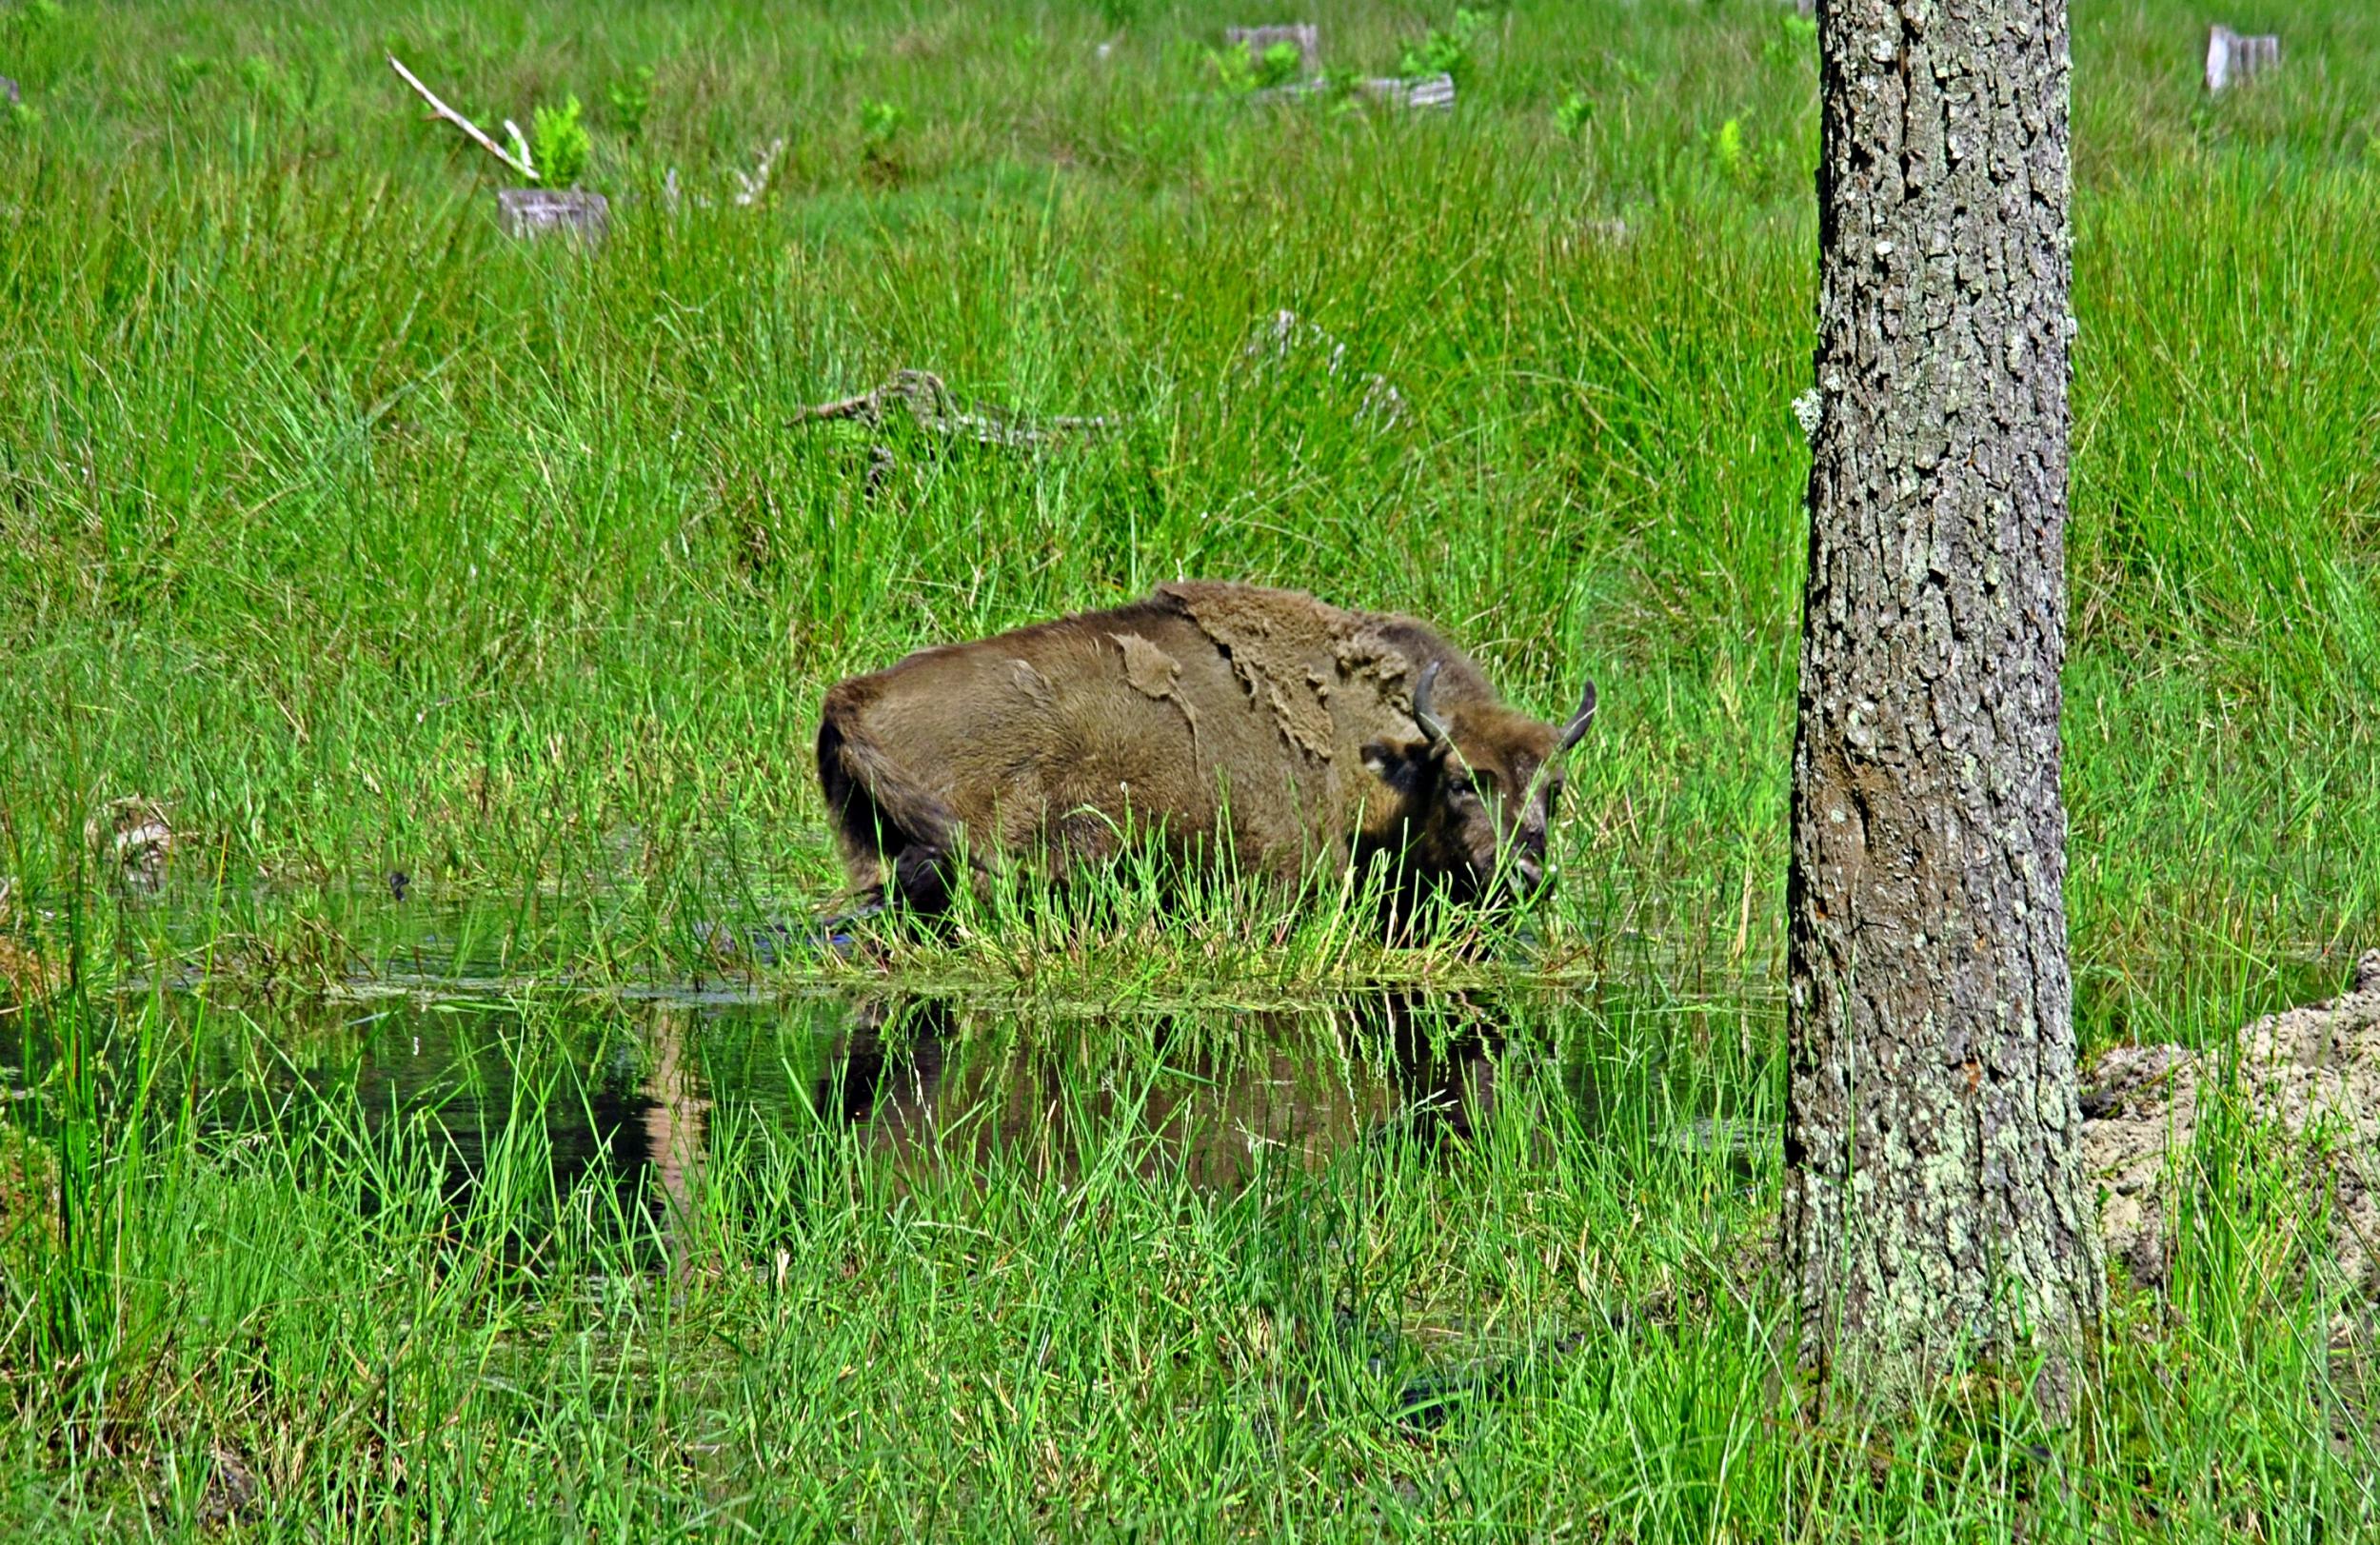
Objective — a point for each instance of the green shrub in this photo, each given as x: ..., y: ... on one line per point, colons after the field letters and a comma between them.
x: 1278, y: 64
x: 1447, y: 51
x: 879, y: 121
x: 560, y: 143
x: 631, y: 99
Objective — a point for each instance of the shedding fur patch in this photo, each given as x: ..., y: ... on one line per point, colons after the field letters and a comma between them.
x: 1156, y: 675
x: 1274, y: 641
x: 1150, y: 670
x: 1030, y: 681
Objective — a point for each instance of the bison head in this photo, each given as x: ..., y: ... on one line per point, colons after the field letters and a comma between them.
x: 1473, y: 797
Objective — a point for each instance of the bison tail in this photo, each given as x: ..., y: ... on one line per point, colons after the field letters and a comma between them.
x: 896, y: 836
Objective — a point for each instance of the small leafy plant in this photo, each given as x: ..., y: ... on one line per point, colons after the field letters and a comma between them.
x: 560, y: 143
x: 1278, y: 65
x: 1737, y: 160
x: 879, y: 121
x: 1795, y: 42
x: 1241, y: 71
x: 630, y: 98
x: 1728, y: 153
x: 1572, y: 114
x: 1444, y: 52
x: 1235, y: 69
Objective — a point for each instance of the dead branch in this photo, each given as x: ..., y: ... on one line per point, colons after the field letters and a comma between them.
x: 930, y: 404
x: 757, y: 184
x: 439, y: 110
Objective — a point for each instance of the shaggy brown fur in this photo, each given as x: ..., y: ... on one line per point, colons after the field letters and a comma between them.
x: 1265, y: 721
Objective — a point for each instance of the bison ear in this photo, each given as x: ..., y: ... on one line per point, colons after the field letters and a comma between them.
x: 1398, y: 766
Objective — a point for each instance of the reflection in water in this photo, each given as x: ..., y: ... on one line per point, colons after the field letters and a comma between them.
x: 923, y: 1082
x: 625, y: 1097
x: 673, y: 1118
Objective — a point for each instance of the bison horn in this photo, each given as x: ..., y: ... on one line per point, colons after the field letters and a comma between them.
x: 1576, y: 730
x: 1431, y: 725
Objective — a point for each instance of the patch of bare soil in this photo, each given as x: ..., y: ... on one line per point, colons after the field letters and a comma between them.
x: 2308, y: 1077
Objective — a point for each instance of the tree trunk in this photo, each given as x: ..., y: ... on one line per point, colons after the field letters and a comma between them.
x: 1935, y: 1203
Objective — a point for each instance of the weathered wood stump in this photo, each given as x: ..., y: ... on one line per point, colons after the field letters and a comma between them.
x: 2236, y: 55
x: 1421, y: 92
x: 1410, y: 91
x: 535, y: 211
x: 2305, y: 1082
x: 1304, y: 35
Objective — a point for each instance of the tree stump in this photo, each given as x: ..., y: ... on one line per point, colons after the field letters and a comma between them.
x: 1305, y: 35
x: 529, y: 213
x: 2235, y: 55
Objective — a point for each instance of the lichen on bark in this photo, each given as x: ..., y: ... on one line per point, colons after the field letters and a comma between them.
x: 1935, y: 1199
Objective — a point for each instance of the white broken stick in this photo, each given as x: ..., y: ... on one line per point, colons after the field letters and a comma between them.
x: 757, y: 184
x: 1290, y: 333
x: 521, y: 146
x: 439, y: 110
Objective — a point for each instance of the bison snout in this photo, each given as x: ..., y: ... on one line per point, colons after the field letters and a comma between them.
x: 1528, y: 877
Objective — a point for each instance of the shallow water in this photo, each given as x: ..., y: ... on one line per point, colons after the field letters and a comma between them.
x: 627, y: 1091
x: 641, y: 1085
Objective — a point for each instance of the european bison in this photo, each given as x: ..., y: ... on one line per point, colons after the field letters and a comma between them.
x: 1266, y: 722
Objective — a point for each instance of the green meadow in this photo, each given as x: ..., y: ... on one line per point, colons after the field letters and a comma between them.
x: 461, y: 1139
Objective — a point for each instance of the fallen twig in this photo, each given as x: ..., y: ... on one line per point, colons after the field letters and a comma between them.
x: 1288, y: 334
x: 439, y: 110
x: 757, y: 184
x: 930, y: 404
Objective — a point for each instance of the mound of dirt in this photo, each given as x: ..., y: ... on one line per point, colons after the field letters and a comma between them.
x: 2310, y: 1076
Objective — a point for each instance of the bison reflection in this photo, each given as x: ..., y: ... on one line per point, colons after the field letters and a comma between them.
x: 1290, y: 1089
x: 1211, y: 720
x: 631, y: 1109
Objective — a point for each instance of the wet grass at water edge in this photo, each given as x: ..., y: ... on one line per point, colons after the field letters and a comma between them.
x: 899, y: 1266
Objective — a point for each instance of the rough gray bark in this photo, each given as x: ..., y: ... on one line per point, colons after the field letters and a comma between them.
x: 1935, y: 1200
